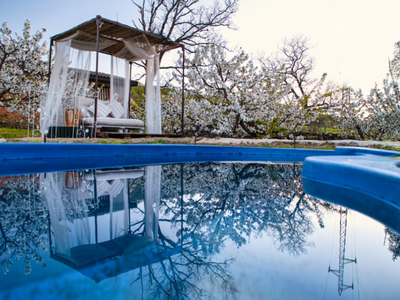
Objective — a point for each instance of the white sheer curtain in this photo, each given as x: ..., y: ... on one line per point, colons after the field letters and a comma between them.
x: 120, y: 81
x: 85, y: 41
x: 51, y: 102
x: 152, y: 200
x: 153, y: 93
x: 68, y: 213
x: 153, y: 96
x: 79, y: 71
x: 119, y: 209
x: 69, y: 79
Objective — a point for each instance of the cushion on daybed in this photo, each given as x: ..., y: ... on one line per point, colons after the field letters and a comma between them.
x: 112, y: 122
x: 116, y: 109
x: 109, y: 114
x: 102, y: 109
x: 83, y: 102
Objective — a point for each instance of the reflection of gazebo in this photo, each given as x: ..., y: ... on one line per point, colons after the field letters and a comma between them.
x: 69, y: 107
x: 90, y: 216
x: 112, y: 258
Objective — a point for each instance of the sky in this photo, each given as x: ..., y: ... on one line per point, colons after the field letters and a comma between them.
x: 351, y: 40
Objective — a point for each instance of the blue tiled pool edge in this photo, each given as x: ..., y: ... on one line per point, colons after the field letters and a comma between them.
x: 54, y: 151
x: 36, y: 158
x: 362, y: 169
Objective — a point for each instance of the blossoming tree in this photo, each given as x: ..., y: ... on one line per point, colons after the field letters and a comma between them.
x: 375, y: 116
x: 238, y: 97
x: 23, y: 71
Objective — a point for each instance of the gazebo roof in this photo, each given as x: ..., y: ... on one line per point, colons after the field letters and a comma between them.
x: 112, y: 35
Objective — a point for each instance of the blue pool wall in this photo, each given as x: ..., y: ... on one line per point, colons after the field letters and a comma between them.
x: 38, y: 158
x: 41, y: 151
x: 28, y: 158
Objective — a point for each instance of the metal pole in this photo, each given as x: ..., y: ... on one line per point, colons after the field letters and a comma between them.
x: 182, y: 206
x: 130, y: 91
x: 29, y: 108
x: 50, y: 53
x: 183, y: 92
x: 98, y: 24
x: 50, y: 242
x: 33, y: 116
x: 95, y: 202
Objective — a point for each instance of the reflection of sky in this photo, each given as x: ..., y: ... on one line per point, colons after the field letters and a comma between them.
x: 261, y: 270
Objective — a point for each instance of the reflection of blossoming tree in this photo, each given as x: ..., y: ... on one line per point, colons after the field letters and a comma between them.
x: 24, y: 222
x: 176, y: 277
x: 393, y: 240
x: 236, y: 200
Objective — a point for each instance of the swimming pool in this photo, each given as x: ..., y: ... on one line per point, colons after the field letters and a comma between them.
x: 212, y: 228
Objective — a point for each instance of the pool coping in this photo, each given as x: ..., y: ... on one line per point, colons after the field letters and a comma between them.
x: 28, y: 158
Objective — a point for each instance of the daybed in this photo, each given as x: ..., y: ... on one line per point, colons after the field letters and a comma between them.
x: 110, y: 116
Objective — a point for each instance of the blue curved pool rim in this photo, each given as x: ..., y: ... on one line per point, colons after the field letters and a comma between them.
x: 364, y: 180
x: 38, y: 158
x: 26, y: 158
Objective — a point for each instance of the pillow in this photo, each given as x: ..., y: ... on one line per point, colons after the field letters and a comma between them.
x: 83, y: 102
x: 116, y: 109
x: 102, y: 109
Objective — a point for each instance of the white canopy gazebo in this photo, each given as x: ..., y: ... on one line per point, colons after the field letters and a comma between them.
x: 71, y: 107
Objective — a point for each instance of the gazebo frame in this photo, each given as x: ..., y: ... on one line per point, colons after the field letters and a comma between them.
x: 102, y: 28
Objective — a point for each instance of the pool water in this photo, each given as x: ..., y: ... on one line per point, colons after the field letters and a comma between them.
x: 188, y: 231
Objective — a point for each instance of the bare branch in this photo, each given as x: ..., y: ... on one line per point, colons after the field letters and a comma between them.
x: 187, y: 21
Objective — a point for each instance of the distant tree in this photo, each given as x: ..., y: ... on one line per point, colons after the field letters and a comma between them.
x: 305, y: 96
x: 228, y: 96
x: 22, y: 68
x: 295, y: 64
x: 138, y: 102
x: 375, y: 116
x: 394, y: 64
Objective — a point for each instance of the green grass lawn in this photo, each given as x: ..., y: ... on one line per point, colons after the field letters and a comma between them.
x: 13, y: 133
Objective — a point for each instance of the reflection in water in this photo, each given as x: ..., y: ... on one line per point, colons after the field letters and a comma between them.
x: 24, y: 222
x: 172, y: 224
x: 393, y: 240
x: 342, y: 253
x: 89, y: 215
